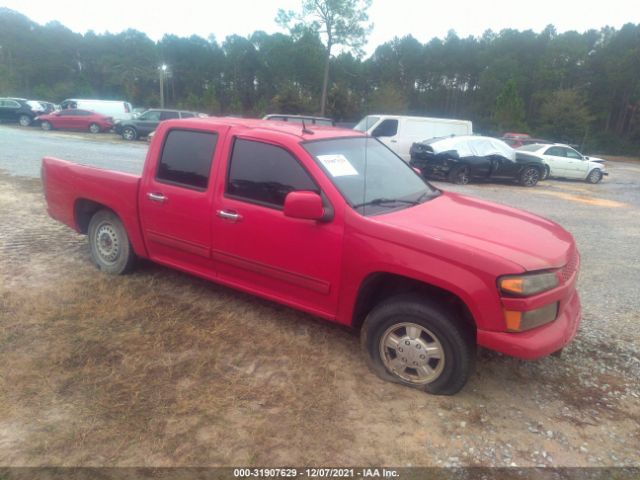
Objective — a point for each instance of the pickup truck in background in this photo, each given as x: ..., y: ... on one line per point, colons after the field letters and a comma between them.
x: 330, y: 221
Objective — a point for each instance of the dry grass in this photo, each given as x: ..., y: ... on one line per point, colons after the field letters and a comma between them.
x: 160, y: 369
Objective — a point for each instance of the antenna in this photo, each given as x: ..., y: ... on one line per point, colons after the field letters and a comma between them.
x: 305, y: 129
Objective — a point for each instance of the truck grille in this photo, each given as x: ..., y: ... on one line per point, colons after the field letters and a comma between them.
x: 569, y: 269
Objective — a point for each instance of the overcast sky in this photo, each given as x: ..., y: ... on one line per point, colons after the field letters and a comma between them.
x: 423, y: 19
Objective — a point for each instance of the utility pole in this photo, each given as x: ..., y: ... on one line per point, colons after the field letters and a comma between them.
x: 163, y: 70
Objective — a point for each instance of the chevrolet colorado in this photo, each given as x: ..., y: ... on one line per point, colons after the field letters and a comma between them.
x: 332, y: 222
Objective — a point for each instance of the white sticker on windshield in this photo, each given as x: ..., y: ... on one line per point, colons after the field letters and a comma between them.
x: 338, y: 165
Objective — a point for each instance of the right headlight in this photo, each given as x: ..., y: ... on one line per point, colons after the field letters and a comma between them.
x: 527, y: 284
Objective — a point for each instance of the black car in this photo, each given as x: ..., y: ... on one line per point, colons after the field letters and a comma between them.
x: 147, y: 122
x: 17, y: 110
x: 460, y: 159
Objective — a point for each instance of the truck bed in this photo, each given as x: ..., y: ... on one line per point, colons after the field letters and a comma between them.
x: 74, y: 192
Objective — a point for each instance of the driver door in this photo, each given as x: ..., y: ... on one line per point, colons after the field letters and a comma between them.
x: 577, y: 167
x: 257, y: 247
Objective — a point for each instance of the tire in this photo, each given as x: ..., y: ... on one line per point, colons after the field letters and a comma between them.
x: 25, y: 120
x: 422, y: 326
x: 594, y: 176
x: 129, y: 133
x: 94, y: 128
x: 529, y: 176
x: 46, y: 126
x: 109, y: 243
x: 460, y: 175
x: 546, y: 173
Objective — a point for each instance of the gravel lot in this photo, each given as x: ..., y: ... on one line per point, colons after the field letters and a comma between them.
x: 103, y: 371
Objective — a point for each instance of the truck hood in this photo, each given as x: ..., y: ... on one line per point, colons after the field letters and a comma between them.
x: 528, y: 240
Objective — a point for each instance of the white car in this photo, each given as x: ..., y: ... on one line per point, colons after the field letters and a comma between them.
x: 565, y: 162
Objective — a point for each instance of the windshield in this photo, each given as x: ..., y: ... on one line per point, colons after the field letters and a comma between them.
x: 370, y: 177
x: 366, y: 123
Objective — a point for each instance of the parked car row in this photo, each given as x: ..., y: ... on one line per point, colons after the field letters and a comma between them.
x: 465, y: 158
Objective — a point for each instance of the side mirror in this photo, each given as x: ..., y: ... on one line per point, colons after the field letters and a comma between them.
x: 304, y: 204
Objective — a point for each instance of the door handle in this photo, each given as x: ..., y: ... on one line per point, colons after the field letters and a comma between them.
x: 393, y: 141
x: 229, y: 215
x: 156, y: 197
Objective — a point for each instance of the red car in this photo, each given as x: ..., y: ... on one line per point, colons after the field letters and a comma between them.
x: 76, y: 119
x: 332, y: 222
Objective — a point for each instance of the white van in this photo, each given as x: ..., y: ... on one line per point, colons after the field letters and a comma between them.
x: 400, y: 132
x: 117, y: 109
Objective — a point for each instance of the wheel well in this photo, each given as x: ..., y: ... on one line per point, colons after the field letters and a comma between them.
x: 85, y: 209
x: 380, y: 286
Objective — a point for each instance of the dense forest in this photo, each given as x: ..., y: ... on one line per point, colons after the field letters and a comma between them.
x: 582, y: 88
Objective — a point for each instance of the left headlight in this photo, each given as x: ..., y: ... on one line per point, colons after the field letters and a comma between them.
x: 527, y: 284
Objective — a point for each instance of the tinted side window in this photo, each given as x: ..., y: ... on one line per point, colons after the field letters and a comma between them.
x: 265, y: 174
x: 388, y: 128
x: 150, y: 116
x: 168, y: 115
x: 186, y: 115
x: 186, y: 158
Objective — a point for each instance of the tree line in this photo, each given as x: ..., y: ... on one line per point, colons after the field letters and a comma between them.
x: 582, y: 88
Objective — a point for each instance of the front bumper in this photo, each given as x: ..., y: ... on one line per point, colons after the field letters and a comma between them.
x: 541, y: 341
x: 546, y: 339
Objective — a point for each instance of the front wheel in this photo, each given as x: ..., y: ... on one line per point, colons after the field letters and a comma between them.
x: 94, y: 128
x: 529, y: 176
x: 595, y: 176
x: 460, y: 175
x: 46, y: 125
x: 415, y: 342
x: 109, y: 243
x: 25, y: 120
x: 129, y: 133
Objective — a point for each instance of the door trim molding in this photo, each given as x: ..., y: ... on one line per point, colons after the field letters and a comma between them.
x: 303, y: 281
x: 178, y: 243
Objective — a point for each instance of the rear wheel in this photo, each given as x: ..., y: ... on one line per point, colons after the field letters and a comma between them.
x: 46, y: 125
x: 529, y: 176
x: 25, y: 120
x: 595, y: 176
x: 109, y: 243
x: 94, y: 128
x: 546, y: 173
x: 460, y: 175
x: 129, y: 133
x: 415, y: 342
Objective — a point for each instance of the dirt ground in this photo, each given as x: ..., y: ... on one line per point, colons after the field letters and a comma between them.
x: 161, y: 369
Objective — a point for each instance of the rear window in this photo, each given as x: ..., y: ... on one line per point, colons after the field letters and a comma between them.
x: 186, y: 158
x: 530, y: 148
x: 169, y: 115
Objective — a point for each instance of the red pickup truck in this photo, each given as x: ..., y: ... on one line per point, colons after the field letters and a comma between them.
x: 331, y: 222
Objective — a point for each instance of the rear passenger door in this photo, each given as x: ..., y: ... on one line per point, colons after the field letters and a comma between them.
x: 556, y: 158
x: 257, y: 247
x: 176, y: 203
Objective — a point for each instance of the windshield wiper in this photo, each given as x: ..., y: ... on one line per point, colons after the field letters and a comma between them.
x: 385, y: 201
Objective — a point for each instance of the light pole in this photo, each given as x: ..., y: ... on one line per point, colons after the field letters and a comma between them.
x: 163, y: 70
